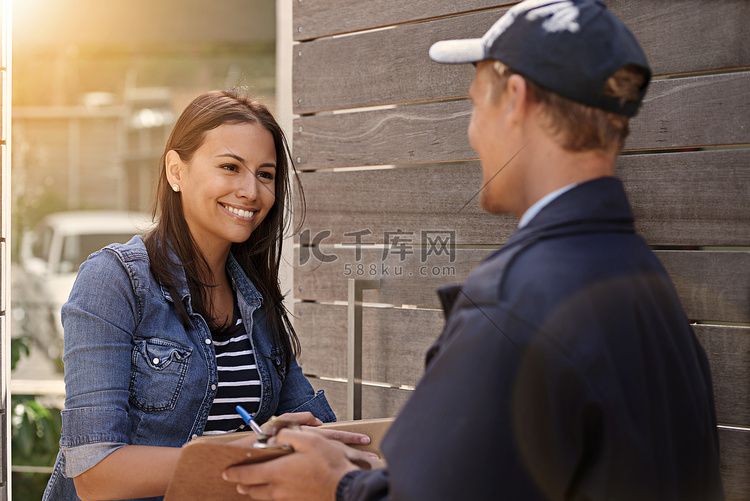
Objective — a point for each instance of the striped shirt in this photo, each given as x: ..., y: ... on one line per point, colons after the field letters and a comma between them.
x: 239, y: 382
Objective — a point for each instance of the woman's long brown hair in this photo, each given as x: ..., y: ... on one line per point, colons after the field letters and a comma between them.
x: 260, y: 255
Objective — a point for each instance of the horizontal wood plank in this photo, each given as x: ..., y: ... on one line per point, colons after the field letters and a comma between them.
x: 433, y: 132
x: 696, y: 198
x: 735, y: 463
x: 696, y: 111
x: 728, y: 351
x: 381, y: 67
x: 395, y: 341
x: 411, y: 281
x: 419, y: 198
x: 688, y: 199
x: 393, y: 66
x: 687, y: 112
x: 334, y: 17
x: 674, y: 36
x: 377, y: 402
x: 712, y: 285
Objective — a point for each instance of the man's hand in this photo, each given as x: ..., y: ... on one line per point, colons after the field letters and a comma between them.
x: 311, y: 473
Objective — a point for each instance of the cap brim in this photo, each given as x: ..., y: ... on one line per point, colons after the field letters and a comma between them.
x: 470, y: 50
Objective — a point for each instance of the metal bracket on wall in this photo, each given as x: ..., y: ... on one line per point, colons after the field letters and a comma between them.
x: 354, y: 346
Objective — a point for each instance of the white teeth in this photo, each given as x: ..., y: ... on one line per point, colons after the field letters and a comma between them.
x: 240, y: 212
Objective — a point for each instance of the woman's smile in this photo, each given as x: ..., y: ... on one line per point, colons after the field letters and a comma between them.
x: 239, y: 211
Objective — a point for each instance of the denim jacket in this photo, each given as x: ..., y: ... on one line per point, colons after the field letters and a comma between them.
x: 135, y: 375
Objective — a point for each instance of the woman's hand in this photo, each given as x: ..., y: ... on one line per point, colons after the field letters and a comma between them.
x: 301, y: 418
x: 308, y: 422
x: 345, y: 437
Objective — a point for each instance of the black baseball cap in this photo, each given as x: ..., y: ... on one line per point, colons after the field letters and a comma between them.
x: 570, y: 47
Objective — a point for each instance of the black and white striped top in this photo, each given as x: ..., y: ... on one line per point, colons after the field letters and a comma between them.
x: 239, y: 382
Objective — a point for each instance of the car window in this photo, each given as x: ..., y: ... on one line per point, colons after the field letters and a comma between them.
x: 76, y: 248
x: 42, y: 240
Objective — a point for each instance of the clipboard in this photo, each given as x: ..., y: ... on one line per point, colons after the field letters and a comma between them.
x: 197, y: 476
x: 198, y: 472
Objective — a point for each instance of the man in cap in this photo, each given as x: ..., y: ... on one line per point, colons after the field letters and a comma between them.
x: 567, y: 368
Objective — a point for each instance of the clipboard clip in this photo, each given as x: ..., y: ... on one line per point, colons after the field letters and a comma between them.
x: 270, y: 428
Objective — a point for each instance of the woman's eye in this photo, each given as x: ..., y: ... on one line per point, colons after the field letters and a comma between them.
x: 266, y: 175
x: 229, y: 167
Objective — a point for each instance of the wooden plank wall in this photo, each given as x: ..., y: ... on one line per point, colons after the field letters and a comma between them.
x: 380, y: 136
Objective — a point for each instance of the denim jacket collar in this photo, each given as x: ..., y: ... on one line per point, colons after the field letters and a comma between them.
x: 245, y: 287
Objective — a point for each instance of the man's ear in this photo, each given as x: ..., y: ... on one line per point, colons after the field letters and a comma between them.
x: 516, y: 92
x: 174, y: 166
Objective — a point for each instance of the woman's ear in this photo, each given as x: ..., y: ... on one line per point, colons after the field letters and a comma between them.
x: 174, y: 166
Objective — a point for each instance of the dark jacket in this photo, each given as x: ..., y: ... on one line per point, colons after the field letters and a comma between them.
x: 567, y: 370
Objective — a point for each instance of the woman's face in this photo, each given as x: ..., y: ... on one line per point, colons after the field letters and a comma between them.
x: 228, y: 186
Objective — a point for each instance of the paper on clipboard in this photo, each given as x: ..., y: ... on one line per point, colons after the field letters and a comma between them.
x: 198, y: 472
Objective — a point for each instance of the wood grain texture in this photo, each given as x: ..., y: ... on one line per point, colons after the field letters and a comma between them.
x: 433, y: 132
x: 696, y: 198
x: 677, y: 113
x: 411, y: 198
x: 674, y: 36
x: 712, y: 285
x: 394, y: 341
x: 393, y: 66
x: 377, y: 402
x: 728, y: 351
x: 382, y: 67
x: 410, y: 281
x: 690, y: 199
x: 684, y: 35
x: 735, y: 463
x: 333, y: 17
x: 696, y: 111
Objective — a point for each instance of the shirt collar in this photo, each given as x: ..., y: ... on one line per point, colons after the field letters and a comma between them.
x: 540, y: 204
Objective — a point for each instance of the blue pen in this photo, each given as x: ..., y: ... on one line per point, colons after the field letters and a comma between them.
x: 247, y: 418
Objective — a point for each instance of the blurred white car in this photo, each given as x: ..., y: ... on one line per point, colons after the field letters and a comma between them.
x: 53, y: 251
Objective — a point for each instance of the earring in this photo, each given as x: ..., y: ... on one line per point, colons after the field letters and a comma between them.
x: 175, y: 187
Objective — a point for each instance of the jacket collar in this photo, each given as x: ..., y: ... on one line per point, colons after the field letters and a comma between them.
x: 240, y: 282
x: 589, y: 207
x: 595, y: 206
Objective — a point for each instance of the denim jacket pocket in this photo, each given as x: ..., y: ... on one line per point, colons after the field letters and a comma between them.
x: 158, y: 371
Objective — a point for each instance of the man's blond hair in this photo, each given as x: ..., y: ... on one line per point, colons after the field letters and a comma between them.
x: 579, y: 127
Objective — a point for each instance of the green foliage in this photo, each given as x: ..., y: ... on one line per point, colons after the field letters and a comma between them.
x: 35, y: 434
x: 35, y: 431
x: 18, y: 346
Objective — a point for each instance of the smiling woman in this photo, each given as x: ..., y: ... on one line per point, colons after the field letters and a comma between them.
x: 166, y: 334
